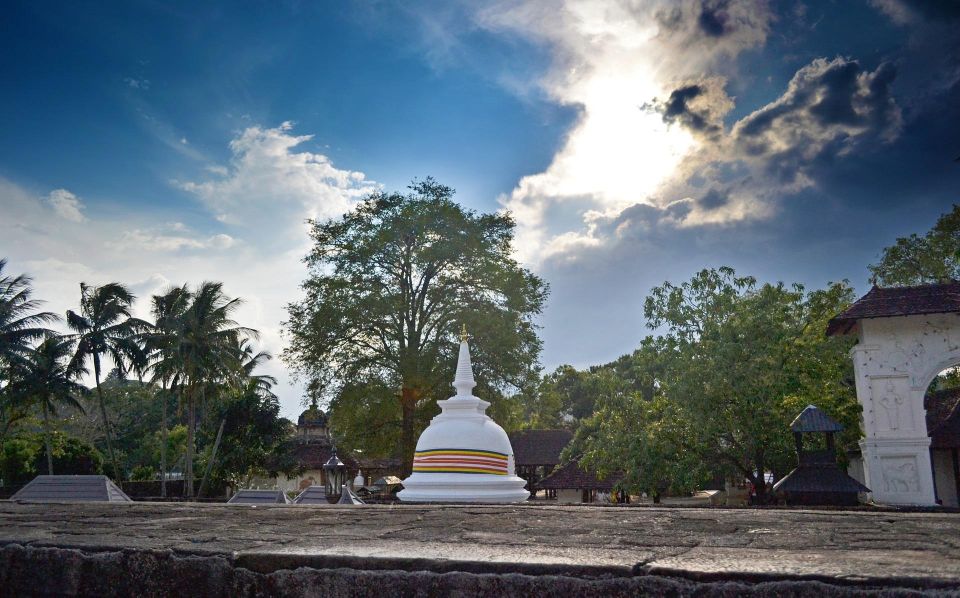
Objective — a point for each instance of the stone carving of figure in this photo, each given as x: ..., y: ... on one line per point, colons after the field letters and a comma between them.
x: 901, y: 477
x: 897, y: 359
x: 891, y: 407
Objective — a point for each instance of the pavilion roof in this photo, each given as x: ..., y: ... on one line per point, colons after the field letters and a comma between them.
x: 539, y: 447
x: 943, y: 418
x: 314, y: 453
x: 898, y: 301
x: 573, y: 477
x: 819, y: 478
x: 812, y: 419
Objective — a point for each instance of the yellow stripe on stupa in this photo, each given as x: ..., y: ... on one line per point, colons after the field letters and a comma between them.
x: 445, y: 469
x: 462, y: 452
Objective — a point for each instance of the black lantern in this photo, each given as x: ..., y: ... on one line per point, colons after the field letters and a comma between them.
x: 336, y: 476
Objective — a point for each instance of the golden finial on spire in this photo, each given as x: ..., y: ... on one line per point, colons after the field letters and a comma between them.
x: 463, y: 333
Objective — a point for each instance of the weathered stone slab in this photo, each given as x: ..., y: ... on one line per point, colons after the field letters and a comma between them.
x: 852, y: 549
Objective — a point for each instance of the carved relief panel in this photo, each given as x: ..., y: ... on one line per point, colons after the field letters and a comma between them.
x: 900, y: 475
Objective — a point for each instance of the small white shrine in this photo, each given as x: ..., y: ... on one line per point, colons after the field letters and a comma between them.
x: 463, y: 455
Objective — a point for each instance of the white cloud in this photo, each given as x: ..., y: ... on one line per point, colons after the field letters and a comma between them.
x: 609, y: 59
x: 66, y: 205
x: 270, y: 186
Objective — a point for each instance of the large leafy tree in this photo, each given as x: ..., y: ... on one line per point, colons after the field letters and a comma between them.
x: 390, y: 284
x: 202, y: 351
x: 716, y: 392
x: 47, y: 377
x: 21, y: 325
x: 933, y: 257
x: 104, y: 327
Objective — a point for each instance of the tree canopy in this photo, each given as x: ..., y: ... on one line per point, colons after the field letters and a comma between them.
x: 737, y: 362
x: 390, y: 284
x: 933, y: 257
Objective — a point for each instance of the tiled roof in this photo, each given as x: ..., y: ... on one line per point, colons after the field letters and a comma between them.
x: 820, y: 478
x: 312, y: 454
x: 259, y: 497
x: 898, y: 301
x: 71, y: 488
x: 943, y: 418
x: 539, y: 447
x: 377, y: 463
x: 572, y: 477
x: 812, y: 419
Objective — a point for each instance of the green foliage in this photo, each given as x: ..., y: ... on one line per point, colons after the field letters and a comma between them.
x: 933, y: 257
x: 390, y: 284
x: 17, y: 461
x: 717, y: 391
x: 23, y: 458
x: 143, y: 473
x: 253, y: 436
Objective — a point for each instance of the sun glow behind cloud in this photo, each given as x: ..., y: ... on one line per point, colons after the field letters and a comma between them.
x: 608, y: 61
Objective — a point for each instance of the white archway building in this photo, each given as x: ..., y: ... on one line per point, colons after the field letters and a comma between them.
x: 907, y: 335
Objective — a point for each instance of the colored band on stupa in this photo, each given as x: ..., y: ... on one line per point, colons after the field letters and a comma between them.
x: 460, y: 461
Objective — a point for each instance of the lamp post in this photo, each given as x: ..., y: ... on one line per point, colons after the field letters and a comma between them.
x: 336, y: 476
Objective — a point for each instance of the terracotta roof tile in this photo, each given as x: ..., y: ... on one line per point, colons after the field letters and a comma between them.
x: 898, y: 301
x: 572, y: 477
x: 539, y: 447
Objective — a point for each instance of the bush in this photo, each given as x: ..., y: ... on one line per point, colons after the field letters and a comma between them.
x: 25, y: 457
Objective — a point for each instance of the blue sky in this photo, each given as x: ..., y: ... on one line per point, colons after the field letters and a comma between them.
x: 157, y: 143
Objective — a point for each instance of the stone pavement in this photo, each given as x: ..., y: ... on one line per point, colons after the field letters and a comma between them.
x: 846, y: 549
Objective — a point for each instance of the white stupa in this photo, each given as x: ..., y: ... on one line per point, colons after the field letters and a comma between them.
x: 463, y: 455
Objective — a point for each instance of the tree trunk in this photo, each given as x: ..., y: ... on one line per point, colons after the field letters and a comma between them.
x: 188, y: 470
x: 106, y: 422
x: 213, y: 457
x: 46, y: 439
x: 408, y: 444
x: 163, y: 440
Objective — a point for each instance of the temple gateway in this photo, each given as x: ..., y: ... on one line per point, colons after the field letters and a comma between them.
x: 906, y: 337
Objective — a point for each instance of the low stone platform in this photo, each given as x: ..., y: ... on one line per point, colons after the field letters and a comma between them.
x: 529, y: 549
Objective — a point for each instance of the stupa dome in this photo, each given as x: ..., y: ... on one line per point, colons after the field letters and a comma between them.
x: 463, y: 456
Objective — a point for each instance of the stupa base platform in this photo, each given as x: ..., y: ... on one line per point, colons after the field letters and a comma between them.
x: 177, y: 549
x: 463, y: 488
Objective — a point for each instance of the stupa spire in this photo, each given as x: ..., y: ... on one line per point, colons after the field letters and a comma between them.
x: 463, y: 381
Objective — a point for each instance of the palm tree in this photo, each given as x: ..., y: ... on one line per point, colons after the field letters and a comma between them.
x: 104, y: 326
x: 20, y: 325
x: 168, y: 310
x: 48, y: 376
x: 204, y: 351
x: 260, y: 384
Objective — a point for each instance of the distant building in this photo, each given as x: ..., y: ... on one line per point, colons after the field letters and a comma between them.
x: 537, y: 452
x: 312, y: 447
x: 575, y: 484
x: 943, y: 424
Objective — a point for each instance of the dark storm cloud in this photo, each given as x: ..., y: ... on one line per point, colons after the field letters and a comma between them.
x: 829, y: 108
x: 713, y: 27
x: 677, y: 110
x: 903, y: 11
x: 714, y: 198
x: 713, y: 18
x: 699, y: 107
